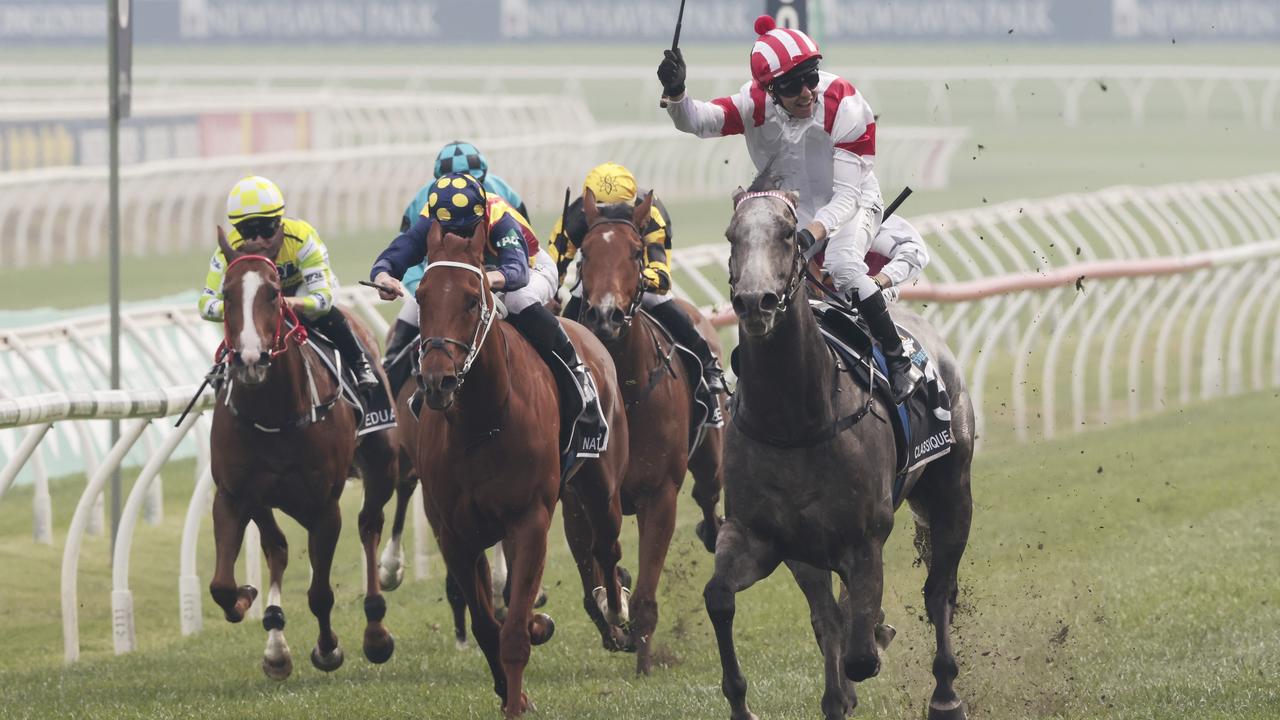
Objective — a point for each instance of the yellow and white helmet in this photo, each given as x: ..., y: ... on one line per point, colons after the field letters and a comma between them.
x: 252, y: 197
x: 611, y: 183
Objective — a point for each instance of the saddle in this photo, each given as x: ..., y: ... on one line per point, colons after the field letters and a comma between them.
x: 705, y: 408
x: 574, y: 445
x: 375, y: 407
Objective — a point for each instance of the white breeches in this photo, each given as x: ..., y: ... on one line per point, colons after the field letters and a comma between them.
x: 845, y: 259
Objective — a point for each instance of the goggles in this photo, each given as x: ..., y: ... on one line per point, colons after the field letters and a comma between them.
x: 791, y: 85
x: 258, y: 227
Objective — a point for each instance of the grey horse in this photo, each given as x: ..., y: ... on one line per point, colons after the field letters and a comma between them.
x: 809, y: 466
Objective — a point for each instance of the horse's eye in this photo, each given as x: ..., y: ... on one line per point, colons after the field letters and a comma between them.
x: 273, y: 294
x: 472, y: 303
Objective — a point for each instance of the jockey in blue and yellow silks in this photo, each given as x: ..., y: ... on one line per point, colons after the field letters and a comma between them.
x: 255, y: 208
x: 524, y: 278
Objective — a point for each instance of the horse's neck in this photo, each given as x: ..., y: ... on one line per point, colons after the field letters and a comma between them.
x: 487, y: 385
x: 786, y: 376
x: 284, y: 395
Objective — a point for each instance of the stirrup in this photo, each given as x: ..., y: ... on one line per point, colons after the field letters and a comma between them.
x: 912, y: 377
x: 366, y: 379
x: 713, y: 375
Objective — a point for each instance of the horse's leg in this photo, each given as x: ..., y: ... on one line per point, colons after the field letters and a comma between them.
x: 277, y: 660
x: 862, y: 570
x: 468, y: 566
x: 839, y: 699
x: 391, y: 563
x: 577, y: 532
x: 377, y: 457
x: 458, y: 604
x: 656, y: 516
x: 322, y: 539
x: 706, y: 464
x: 498, y: 580
x: 229, y: 521
x: 604, y: 511
x: 527, y: 539
x: 942, y: 500
x: 741, y: 560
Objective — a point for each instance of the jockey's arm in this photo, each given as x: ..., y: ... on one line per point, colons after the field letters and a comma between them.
x: 317, y: 277
x: 853, y: 133
x: 720, y: 117
x: 513, y: 255
x: 408, y: 249
x: 657, y: 253
x: 211, y: 297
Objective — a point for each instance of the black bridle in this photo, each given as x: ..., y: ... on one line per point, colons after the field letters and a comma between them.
x: 639, y: 293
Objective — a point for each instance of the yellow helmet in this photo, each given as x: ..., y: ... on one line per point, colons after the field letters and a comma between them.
x: 611, y: 183
x: 254, y: 196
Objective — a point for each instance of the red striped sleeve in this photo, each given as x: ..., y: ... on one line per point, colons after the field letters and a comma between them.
x: 838, y: 90
x: 732, y: 118
x: 757, y: 102
x: 865, y: 145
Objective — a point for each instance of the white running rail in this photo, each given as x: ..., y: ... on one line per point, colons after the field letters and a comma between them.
x: 58, y: 215
x: 1251, y: 93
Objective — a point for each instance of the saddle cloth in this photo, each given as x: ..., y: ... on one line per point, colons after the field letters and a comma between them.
x: 704, y: 406
x: 922, y: 424
x: 375, y: 407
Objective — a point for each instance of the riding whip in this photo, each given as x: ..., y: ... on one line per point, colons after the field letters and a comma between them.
x: 902, y: 197
x: 675, y: 45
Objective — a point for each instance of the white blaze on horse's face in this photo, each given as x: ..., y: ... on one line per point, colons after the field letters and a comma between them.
x: 251, y: 343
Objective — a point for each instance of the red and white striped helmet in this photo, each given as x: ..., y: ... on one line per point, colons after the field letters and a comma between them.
x: 778, y: 50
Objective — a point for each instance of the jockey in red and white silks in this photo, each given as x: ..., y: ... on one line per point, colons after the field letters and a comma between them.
x: 817, y: 136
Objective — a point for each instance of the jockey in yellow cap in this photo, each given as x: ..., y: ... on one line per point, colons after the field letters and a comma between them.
x: 255, y: 208
x: 612, y: 183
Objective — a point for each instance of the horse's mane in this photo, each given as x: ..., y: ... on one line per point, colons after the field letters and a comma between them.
x: 766, y: 179
x: 616, y: 211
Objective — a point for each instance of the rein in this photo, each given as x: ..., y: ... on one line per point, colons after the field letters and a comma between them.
x: 279, y: 342
x: 662, y: 363
x: 471, y: 349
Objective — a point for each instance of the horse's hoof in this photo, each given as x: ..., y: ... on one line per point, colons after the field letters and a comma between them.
x: 327, y: 663
x: 380, y: 652
x: 544, y: 628
x: 461, y: 645
x: 523, y: 705
x: 245, y: 595
x: 624, y: 578
x: 278, y: 669
x: 541, y: 599
x: 953, y: 710
x: 884, y: 635
x: 390, y: 578
x: 707, y: 535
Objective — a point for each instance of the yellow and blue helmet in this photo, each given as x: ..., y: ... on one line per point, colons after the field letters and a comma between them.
x: 252, y: 197
x: 457, y: 201
x: 461, y: 157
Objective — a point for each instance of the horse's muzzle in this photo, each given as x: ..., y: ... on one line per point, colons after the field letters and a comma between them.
x: 438, y: 389
x: 250, y: 370
x: 757, y: 311
x: 606, y: 324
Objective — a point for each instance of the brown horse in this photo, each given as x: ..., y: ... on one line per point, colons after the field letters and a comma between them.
x: 284, y: 438
x: 657, y: 388
x: 489, y: 433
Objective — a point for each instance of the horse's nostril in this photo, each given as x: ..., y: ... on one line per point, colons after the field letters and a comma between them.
x: 769, y: 302
x: 617, y: 317
x: 739, y: 306
x: 449, y: 383
x: 264, y: 356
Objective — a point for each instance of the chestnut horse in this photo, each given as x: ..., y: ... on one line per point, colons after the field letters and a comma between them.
x: 490, y: 434
x: 811, y: 461
x: 284, y: 438
x: 657, y: 388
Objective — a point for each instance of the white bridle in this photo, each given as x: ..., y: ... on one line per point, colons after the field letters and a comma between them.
x: 482, y: 330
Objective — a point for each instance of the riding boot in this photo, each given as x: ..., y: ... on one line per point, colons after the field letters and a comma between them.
x: 397, y: 363
x: 674, y: 318
x: 573, y: 308
x: 904, y: 376
x: 549, y: 339
x: 335, y: 326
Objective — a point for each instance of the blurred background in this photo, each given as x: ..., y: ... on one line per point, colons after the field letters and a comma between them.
x: 1038, y: 135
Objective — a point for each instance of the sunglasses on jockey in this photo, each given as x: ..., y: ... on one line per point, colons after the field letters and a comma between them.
x: 790, y: 85
x: 258, y: 227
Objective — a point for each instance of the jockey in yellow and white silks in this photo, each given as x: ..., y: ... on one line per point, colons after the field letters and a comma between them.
x: 817, y: 135
x: 255, y: 208
x: 612, y: 183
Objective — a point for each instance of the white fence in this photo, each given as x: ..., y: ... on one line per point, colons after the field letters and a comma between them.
x: 1141, y: 290
x: 1250, y: 93
x: 59, y: 215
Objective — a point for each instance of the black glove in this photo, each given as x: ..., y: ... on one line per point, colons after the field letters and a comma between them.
x: 671, y: 73
x: 805, y: 239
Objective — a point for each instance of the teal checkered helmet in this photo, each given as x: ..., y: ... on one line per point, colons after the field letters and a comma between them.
x: 461, y: 157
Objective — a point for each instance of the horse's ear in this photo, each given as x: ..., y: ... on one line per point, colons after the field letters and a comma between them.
x: 227, y: 252
x: 435, y: 234
x: 589, y: 206
x: 737, y: 196
x: 640, y: 216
